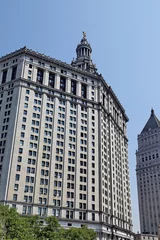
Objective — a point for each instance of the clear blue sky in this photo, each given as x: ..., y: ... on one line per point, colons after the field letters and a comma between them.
x: 125, y: 38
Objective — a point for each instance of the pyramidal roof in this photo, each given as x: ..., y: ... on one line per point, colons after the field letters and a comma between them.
x: 152, y: 123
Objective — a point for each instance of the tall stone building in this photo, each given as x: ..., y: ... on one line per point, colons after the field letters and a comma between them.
x: 148, y: 175
x: 63, y: 146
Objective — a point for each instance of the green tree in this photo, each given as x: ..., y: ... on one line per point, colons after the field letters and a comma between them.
x: 13, y: 226
x: 53, y: 230
x: 80, y: 234
x: 36, y: 226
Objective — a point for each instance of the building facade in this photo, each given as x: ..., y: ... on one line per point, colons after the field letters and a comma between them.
x: 63, y: 147
x: 148, y: 175
x: 140, y: 236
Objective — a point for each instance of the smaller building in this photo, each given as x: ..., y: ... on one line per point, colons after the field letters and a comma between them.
x: 140, y: 236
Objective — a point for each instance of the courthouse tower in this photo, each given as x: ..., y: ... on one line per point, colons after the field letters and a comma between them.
x: 148, y: 175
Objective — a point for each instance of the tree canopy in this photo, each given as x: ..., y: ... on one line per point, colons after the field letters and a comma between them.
x: 14, y: 226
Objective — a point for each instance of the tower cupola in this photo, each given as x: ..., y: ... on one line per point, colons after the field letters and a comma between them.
x: 83, y: 48
x: 83, y: 58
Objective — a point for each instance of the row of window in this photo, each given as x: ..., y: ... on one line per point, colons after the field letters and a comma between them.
x: 42, y: 211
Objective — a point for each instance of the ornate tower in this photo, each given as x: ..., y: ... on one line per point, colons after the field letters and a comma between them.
x: 83, y: 59
x: 148, y: 175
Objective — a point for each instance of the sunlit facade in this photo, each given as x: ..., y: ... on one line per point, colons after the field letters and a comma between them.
x: 63, y: 147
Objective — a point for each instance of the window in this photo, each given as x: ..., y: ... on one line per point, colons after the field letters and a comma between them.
x: 20, y: 150
x: 14, y: 71
x: 73, y: 87
x: 28, y: 189
x: 55, y: 212
x: 4, y: 76
x: 21, y: 142
x: 93, y: 206
x: 82, y: 215
x: 84, y: 91
x: 19, y: 159
x: 24, y: 119
x: 63, y: 84
x: 23, y: 127
x: 29, y: 179
x: 51, y: 80
x: 17, y: 177
x: 27, y: 210
x: 39, y: 75
x: 14, y: 197
x: 25, y: 112
x: 69, y: 214
x: 18, y: 168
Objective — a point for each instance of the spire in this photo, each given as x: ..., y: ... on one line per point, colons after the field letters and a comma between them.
x: 83, y: 58
x: 152, y: 111
x: 152, y: 123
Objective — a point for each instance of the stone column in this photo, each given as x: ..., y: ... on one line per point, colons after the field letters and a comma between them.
x: 57, y: 81
x: 45, y: 78
x: 68, y: 85
x: 78, y: 89
x: 1, y: 74
x: 34, y: 74
x: 89, y: 92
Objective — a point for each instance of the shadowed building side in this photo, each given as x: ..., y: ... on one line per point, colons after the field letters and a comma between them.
x: 148, y: 175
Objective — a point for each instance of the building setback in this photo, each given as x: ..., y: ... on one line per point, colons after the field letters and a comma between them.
x: 148, y: 175
x: 63, y: 146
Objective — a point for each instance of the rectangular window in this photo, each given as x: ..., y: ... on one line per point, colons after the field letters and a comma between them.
x: 4, y: 76
x: 20, y: 150
x: 23, y: 127
x: 93, y: 216
x: 17, y: 177
x: 24, y: 210
x: 73, y: 87
x: 103, y: 100
x: 51, y: 80
x: 84, y: 91
x: 16, y: 187
x: 39, y: 75
x: 14, y: 197
x: 19, y: 159
x: 63, y: 84
x: 18, y: 168
x: 14, y: 71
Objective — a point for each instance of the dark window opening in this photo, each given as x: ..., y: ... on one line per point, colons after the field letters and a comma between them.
x: 84, y: 91
x: 51, y: 80
x: 103, y: 99
x: 14, y: 71
x: 39, y: 75
x: 73, y: 87
x: 63, y: 84
x: 4, y: 77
